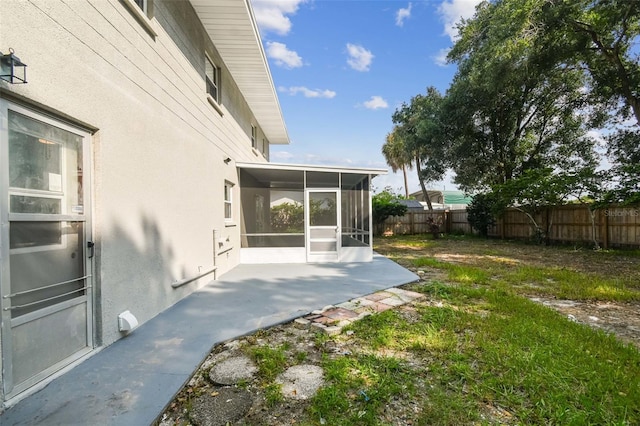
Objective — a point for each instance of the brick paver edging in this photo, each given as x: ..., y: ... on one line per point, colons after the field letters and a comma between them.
x: 331, y: 319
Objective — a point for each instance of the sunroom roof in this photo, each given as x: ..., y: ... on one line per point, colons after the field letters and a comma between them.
x: 233, y: 29
x: 312, y: 168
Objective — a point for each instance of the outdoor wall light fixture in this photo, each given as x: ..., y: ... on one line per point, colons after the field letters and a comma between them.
x: 12, y: 69
x: 227, y: 160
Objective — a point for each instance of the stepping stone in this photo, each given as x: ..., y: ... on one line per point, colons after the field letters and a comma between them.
x: 233, y: 370
x: 324, y: 320
x: 340, y: 314
x: 376, y: 297
x: 393, y: 301
x: 351, y: 305
x: 405, y: 295
x: 380, y: 307
x: 301, y: 381
x: 361, y: 301
x: 227, y: 407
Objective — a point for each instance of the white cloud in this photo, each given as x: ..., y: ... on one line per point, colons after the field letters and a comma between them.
x: 308, y: 93
x: 376, y: 102
x: 452, y: 11
x: 280, y: 155
x: 441, y: 58
x: 271, y: 15
x: 359, y: 57
x: 282, y: 56
x: 402, y: 14
x: 326, y: 160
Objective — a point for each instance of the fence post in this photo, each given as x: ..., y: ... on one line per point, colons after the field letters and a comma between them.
x: 547, y: 226
x: 412, y: 222
x: 606, y: 230
x: 447, y: 219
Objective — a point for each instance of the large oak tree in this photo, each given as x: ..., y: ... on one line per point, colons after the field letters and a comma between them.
x: 512, y: 106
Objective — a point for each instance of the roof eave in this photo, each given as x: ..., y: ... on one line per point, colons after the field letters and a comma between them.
x: 243, y: 55
x: 309, y: 167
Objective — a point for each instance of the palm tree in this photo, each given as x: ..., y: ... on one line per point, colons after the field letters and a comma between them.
x: 397, y: 157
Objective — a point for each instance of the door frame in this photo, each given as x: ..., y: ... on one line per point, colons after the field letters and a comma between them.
x: 328, y: 256
x: 10, y: 389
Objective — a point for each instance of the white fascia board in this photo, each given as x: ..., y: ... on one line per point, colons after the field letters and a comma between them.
x: 233, y: 30
x: 312, y: 168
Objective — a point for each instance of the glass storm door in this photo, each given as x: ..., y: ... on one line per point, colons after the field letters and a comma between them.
x: 47, y: 317
x: 323, y: 225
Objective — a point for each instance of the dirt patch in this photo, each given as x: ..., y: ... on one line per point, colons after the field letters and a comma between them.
x: 621, y: 319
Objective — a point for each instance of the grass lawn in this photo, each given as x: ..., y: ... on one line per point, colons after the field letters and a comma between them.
x: 475, y: 350
x: 479, y: 351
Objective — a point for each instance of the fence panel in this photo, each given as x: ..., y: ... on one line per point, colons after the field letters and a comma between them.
x: 613, y: 226
x: 458, y: 222
x: 413, y: 223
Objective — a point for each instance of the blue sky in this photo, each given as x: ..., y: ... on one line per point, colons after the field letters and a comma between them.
x: 342, y: 67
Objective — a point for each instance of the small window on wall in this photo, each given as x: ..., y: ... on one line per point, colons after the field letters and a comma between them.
x: 254, y: 137
x: 142, y: 4
x: 212, y: 77
x: 142, y: 10
x: 228, y: 200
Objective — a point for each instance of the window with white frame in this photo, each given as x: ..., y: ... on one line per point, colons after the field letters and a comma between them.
x: 142, y: 10
x: 142, y: 4
x: 254, y: 137
x: 212, y: 77
x: 228, y: 200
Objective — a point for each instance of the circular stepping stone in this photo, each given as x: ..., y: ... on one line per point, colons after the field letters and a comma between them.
x: 301, y: 381
x: 227, y: 407
x: 232, y: 370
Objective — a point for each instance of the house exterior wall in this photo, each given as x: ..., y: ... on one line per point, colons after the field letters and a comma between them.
x: 158, y: 144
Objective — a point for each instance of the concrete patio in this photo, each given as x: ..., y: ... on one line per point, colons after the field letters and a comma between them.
x: 131, y: 381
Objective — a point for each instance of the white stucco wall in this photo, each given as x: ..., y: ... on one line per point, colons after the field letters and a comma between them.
x: 158, y: 146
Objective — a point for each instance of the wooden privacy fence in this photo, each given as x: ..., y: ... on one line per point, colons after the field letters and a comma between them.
x: 613, y: 226
x: 450, y: 221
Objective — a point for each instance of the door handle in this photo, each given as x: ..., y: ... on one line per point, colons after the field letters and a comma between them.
x: 90, y: 246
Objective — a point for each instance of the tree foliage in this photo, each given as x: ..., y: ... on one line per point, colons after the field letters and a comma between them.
x: 511, y: 108
x: 481, y: 213
x: 531, y: 192
x: 397, y: 155
x: 418, y: 129
x: 385, y: 204
x: 537, y: 81
x: 287, y: 217
x: 599, y: 36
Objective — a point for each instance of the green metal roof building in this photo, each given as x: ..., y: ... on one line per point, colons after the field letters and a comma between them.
x: 456, y: 197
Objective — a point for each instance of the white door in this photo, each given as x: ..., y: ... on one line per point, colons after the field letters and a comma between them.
x: 45, y: 248
x: 322, y: 216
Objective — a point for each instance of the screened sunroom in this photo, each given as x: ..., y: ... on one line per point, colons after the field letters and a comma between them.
x: 298, y: 214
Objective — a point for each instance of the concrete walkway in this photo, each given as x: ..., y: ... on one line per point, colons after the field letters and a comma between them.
x: 131, y: 381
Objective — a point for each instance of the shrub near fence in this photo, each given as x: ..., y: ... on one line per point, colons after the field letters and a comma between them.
x: 615, y: 226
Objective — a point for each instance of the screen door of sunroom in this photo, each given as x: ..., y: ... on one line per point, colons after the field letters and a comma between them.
x: 45, y: 246
x: 323, y: 225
